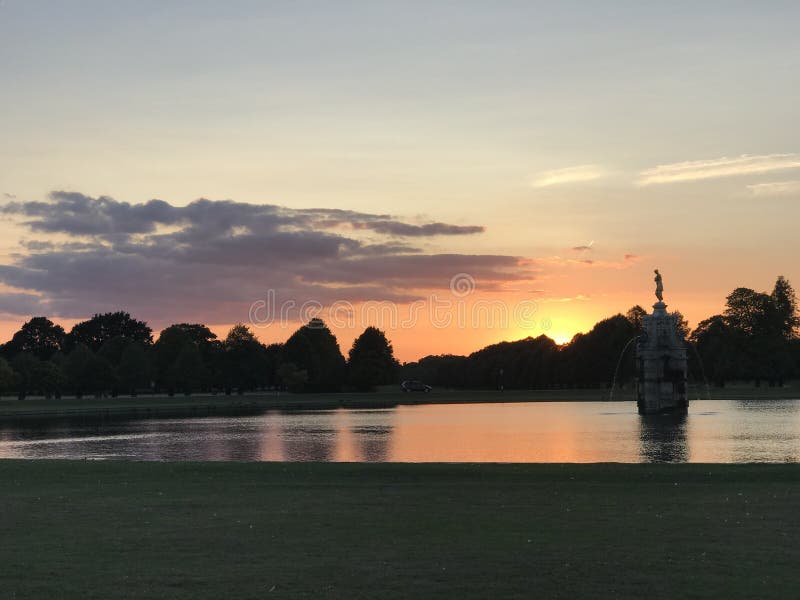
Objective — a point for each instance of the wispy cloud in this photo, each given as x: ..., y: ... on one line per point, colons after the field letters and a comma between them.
x: 568, y: 175
x: 583, y: 263
x: 718, y: 167
x: 584, y: 248
x: 775, y: 188
x: 578, y: 298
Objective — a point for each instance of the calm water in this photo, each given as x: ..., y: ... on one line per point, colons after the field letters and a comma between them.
x: 714, y: 431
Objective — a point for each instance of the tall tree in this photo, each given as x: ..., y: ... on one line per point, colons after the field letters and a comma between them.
x: 88, y: 373
x: 748, y: 311
x: 762, y: 325
x: 784, y: 303
x: 50, y: 379
x: 26, y: 367
x: 314, y: 349
x: 172, y: 340
x: 113, y: 349
x: 681, y: 325
x: 591, y: 359
x: 39, y: 336
x: 103, y: 327
x: 636, y: 316
x: 371, y: 360
x: 717, y: 348
x: 187, y: 370
x: 135, y: 370
x: 6, y: 376
x: 292, y: 378
x: 246, y: 362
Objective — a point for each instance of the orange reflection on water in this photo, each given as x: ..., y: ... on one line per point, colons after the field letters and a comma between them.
x: 345, y: 449
x: 271, y: 443
x: 540, y: 432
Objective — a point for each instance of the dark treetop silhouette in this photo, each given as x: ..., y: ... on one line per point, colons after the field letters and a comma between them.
x: 114, y: 353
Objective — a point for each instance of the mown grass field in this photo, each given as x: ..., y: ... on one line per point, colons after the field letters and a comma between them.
x: 261, y: 530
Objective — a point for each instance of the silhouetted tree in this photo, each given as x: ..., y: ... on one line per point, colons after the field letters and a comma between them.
x: 36, y: 376
x: 762, y: 325
x: 7, y: 376
x: 39, y: 336
x: 26, y: 368
x: 444, y: 370
x: 173, y: 340
x: 753, y: 338
x: 371, y: 360
x: 314, y: 349
x: 76, y: 367
x: 636, y: 316
x: 113, y: 349
x: 682, y: 325
x: 590, y: 359
x: 523, y: 364
x: 246, y: 364
x: 292, y: 378
x: 50, y: 379
x: 187, y: 370
x: 135, y: 370
x: 783, y: 330
x: 715, y: 342
x: 784, y: 302
x: 748, y: 311
x: 274, y: 356
x: 103, y: 327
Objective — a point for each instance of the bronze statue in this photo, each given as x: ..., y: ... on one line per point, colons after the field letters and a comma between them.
x: 659, y: 287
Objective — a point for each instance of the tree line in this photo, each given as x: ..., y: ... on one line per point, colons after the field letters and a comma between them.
x: 755, y: 338
x: 114, y: 353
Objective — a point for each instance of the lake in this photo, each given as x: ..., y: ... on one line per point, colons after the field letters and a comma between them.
x: 714, y: 431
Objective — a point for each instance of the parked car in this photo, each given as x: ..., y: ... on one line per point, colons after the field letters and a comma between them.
x: 412, y: 385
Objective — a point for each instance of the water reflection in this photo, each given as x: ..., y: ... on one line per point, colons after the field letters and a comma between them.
x: 663, y: 438
x: 715, y: 431
x: 373, y: 442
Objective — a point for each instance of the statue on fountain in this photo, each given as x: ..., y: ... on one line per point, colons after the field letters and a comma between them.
x: 659, y: 287
x: 661, y: 361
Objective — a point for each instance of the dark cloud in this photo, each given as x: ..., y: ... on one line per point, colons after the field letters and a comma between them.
x: 77, y: 214
x: 210, y: 260
x: 419, y: 271
x: 404, y: 229
x: 631, y: 256
x: 19, y: 303
x: 9, y: 196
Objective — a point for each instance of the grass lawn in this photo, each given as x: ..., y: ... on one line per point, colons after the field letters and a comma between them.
x: 301, y: 530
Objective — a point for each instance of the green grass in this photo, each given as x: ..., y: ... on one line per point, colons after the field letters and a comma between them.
x: 259, y: 530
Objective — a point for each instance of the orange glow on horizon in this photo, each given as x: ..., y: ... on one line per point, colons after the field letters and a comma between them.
x: 413, y: 340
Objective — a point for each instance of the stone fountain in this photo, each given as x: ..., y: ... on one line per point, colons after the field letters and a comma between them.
x: 661, y: 361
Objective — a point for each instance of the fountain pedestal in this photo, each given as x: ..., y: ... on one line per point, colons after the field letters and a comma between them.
x: 661, y: 364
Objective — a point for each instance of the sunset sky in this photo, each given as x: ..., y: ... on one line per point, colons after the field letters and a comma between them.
x: 186, y: 161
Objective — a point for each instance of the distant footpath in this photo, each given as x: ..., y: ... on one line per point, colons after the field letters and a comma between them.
x: 199, y: 405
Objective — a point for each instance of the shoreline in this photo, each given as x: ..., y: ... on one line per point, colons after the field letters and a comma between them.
x: 142, y: 407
